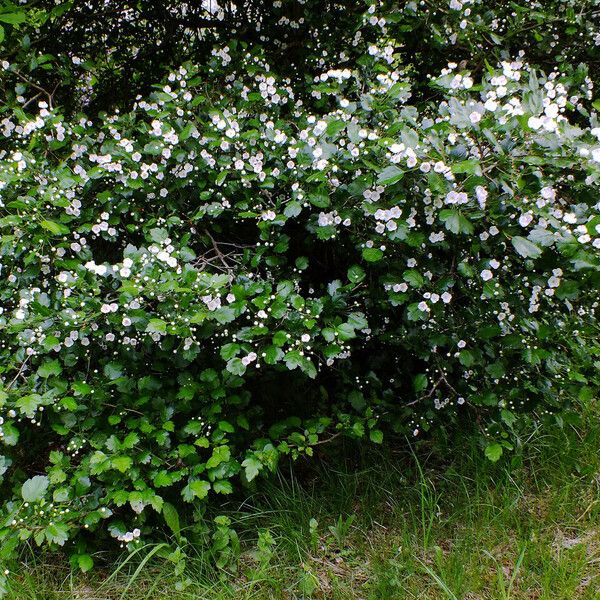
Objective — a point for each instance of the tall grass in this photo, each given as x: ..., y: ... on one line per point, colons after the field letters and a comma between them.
x: 432, y: 521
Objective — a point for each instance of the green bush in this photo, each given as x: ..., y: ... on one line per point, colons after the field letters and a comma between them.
x: 240, y: 265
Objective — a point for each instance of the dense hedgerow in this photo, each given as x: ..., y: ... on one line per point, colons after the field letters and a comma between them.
x: 238, y: 267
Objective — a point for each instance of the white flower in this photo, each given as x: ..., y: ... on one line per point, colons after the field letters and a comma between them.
x: 549, y: 193
x: 525, y: 219
x: 482, y: 195
x: 249, y: 358
x: 491, y: 105
x: 475, y: 117
x: 486, y: 274
x: 551, y: 111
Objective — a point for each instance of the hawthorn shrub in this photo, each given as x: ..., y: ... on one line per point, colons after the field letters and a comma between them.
x: 236, y: 268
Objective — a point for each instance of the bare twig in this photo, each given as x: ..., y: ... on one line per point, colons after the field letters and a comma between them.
x: 18, y: 374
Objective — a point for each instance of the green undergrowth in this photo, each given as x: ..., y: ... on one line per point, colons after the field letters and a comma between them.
x: 431, y: 521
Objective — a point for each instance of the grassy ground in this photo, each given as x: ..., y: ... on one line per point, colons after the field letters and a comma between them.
x: 429, y: 523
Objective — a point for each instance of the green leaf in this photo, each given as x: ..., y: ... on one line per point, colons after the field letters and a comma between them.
x: 11, y: 434
x: 81, y: 388
x: 50, y: 367
x: 470, y: 167
x: 390, y: 175
x: 236, y: 366
x: 525, y: 248
x: 376, y: 436
x: 55, y: 228
x: 320, y: 198
x: 493, y: 452
x: 308, y: 367
x: 222, y: 487
x: 357, y: 320
x: 156, y: 326
x: 456, y: 222
x: 121, y: 463
x: 13, y: 18
x: 334, y: 127
x: 158, y: 234
x: 302, y: 263
x: 162, y: 479
x: 419, y: 382
x: 508, y: 417
x: 28, y: 405
x: 171, y: 517
x: 293, y: 359
x: 228, y: 351
x: 57, y: 533
x: 35, y: 488
x: 252, y: 467
x: 113, y: 370
x: 280, y: 338
x: 292, y: 209
x: 199, y: 488
x: 414, y: 278
x: 85, y: 562
x: 372, y: 254
x: 345, y: 332
x: 226, y: 426
x: 220, y: 454
x: 356, y: 274
x: 466, y: 358
x: 273, y: 354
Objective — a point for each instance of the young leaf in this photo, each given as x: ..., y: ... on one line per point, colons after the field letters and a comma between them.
x: 85, y: 562
x: 525, y: 248
x: 35, y: 488
x: 493, y: 452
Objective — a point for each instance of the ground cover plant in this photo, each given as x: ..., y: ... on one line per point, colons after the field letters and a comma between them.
x: 231, y: 258
x: 434, y: 520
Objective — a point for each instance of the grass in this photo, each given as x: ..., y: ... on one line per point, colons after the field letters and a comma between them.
x: 380, y: 523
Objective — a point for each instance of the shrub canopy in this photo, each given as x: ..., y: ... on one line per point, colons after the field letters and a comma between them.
x: 395, y: 228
